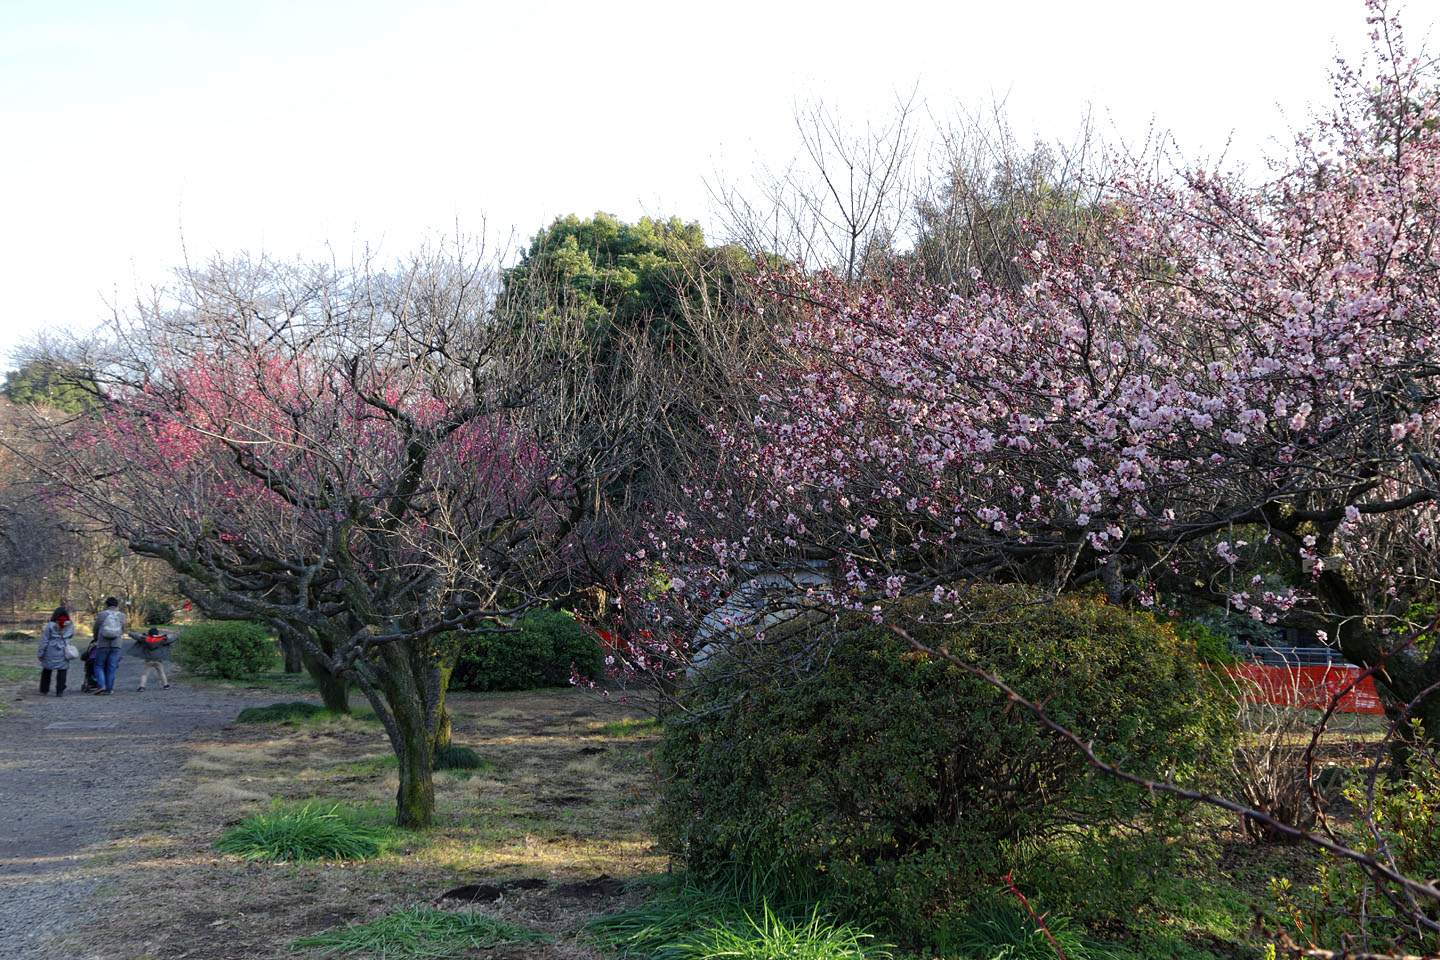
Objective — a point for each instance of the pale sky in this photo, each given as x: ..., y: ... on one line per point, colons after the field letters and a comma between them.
x: 136, y: 132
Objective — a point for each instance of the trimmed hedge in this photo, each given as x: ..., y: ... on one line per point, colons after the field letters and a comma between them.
x: 905, y: 780
x: 229, y: 650
x: 537, y: 655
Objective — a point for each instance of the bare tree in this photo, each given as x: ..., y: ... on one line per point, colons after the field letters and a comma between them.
x: 987, y: 198
x: 374, y: 462
x: 842, y: 204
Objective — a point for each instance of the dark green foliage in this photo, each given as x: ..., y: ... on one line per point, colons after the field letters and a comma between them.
x: 309, y: 833
x: 156, y: 612
x: 422, y: 932
x: 44, y: 384
x: 15, y: 635
x: 280, y: 712
x: 228, y: 650
x: 537, y: 655
x: 458, y: 758
x: 610, y: 271
x: 905, y: 780
x: 1212, y: 646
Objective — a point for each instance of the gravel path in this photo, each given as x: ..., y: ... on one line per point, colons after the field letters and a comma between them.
x: 72, y: 769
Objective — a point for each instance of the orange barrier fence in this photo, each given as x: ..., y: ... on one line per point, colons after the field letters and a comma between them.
x: 1312, y: 687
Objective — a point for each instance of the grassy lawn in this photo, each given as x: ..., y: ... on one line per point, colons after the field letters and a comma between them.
x: 561, y: 797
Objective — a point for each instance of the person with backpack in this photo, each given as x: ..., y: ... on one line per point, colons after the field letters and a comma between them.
x: 109, y: 627
x: 54, y: 651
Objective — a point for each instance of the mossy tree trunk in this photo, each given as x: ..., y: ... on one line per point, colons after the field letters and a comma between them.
x: 334, y: 691
x: 441, y: 738
x: 406, y: 686
x: 334, y: 688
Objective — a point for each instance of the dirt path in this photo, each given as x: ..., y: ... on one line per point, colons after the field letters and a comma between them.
x: 72, y: 769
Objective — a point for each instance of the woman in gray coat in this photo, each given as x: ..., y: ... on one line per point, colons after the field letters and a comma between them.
x: 53, y: 640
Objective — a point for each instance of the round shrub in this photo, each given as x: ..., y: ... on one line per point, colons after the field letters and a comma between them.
x: 905, y: 780
x: 229, y: 650
x: 155, y: 612
x: 537, y: 655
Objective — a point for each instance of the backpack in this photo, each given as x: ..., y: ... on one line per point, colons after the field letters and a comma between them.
x: 112, y: 624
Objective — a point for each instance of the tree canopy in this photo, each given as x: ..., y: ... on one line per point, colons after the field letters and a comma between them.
x: 367, y: 460
x: 621, y: 277
x: 45, y: 383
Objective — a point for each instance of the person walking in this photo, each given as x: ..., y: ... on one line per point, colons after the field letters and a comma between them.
x: 109, y: 627
x: 54, y: 642
x: 154, y: 646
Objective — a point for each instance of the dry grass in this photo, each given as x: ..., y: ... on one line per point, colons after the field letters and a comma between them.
x: 562, y: 803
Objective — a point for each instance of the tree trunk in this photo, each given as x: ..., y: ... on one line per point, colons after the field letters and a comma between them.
x: 442, y: 731
x: 334, y: 691
x: 294, y: 652
x: 441, y: 738
x: 411, y: 700
x: 415, y: 797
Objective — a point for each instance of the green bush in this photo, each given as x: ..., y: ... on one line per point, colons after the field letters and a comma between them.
x: 153, y: 612
x: 905, y: 780
x: 1212, y: 646
x: 537, y: 655
x: 15, y: 635
x: 229, y: 650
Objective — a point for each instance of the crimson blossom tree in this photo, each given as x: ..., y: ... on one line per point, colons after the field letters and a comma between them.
x: 373, y: 462
x: 1221, y: 377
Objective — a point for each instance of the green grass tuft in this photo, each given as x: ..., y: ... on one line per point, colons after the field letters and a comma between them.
x: 15, y: 635
x: 421, y: 932
x: 772, y: 938
x: 1007, y: 932
x: 460, y: 758
x: 309, y: 833
x: 281, y: 712
x: 787, y: 901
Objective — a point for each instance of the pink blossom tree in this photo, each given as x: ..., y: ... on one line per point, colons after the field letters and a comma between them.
x: 1219, y: 375
x: 376, y: 462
